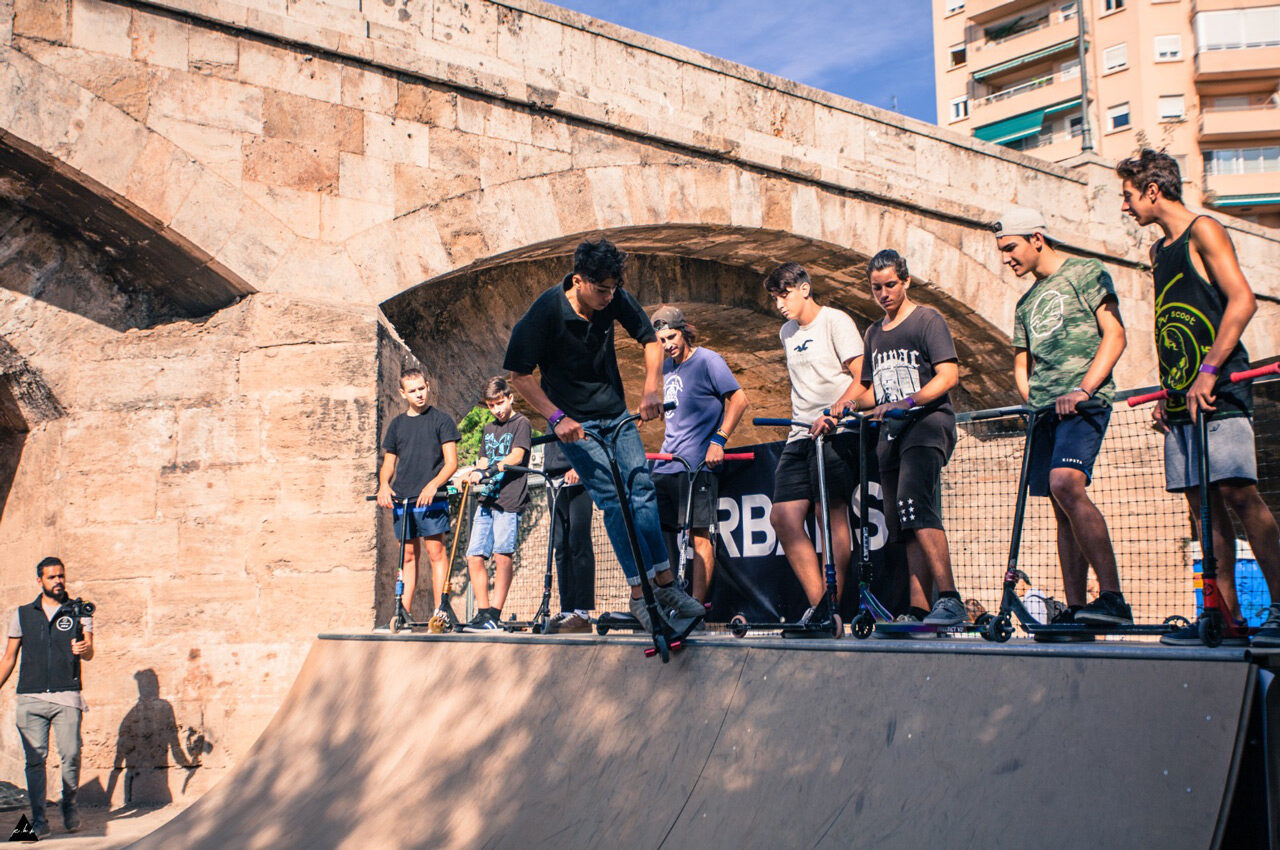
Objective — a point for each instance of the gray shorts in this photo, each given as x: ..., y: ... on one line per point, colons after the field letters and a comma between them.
x: 1231, y: 454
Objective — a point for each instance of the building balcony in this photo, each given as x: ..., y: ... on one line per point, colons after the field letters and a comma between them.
x: 1026, y: 129
x: 1238, y: 64
x: 1245, y: 122
x: 1037, y: 93
x: 1240, y: 191
x: 986, y: 11
x: 993, y: 61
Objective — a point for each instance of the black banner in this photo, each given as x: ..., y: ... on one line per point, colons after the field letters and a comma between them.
x: 753, y: 577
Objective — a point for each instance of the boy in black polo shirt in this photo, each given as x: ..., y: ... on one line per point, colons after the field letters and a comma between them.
x: 567, y: 335
x: 421, y: 447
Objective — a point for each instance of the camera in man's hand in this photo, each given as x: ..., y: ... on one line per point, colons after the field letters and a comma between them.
x: 81, y: 609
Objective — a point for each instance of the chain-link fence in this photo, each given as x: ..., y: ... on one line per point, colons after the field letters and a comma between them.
x: 1151, y: 529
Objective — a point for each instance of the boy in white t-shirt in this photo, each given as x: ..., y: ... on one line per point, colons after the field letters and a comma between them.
x: 824, y: 356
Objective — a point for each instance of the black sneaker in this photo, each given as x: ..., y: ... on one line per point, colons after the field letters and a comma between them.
x: 1268, y: 634
x: 1109, y: 609
x: 1190, y: 636
x: 1065, y: 617
x: 483, y: 621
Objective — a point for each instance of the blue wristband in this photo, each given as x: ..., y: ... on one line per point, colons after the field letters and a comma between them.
x: 719, y: 439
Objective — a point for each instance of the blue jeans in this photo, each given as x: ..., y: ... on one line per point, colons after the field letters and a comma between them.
x: 592, y: 465
x: 493, y: 532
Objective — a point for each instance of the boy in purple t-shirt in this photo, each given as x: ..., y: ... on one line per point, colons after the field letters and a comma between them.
x: 709, y: 405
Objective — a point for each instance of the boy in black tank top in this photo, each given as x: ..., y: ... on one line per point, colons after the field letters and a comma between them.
x: 1203, y: 304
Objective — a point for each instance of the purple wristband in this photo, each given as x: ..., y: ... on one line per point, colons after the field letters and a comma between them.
x: 1209, y: 369
x: 554, y: 419
x: 911, y: 402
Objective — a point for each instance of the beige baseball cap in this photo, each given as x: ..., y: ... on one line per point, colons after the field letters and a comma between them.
x: 1021, y: 221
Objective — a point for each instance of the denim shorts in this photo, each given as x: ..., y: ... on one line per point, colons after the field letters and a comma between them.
x: 426, y: 521
x: 1232, y: 455
x: 1067, y: 442
x: 493, y: 531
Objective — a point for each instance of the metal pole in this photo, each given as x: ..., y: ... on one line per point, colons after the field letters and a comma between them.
x: 1086, y: 131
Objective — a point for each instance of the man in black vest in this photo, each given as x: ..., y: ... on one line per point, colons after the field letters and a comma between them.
x: 56, y: 640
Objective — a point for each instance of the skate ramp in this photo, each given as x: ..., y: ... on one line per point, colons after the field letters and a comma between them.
x: 494, y: 742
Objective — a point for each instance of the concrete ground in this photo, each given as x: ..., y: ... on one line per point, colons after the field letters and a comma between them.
x: 100, y: 829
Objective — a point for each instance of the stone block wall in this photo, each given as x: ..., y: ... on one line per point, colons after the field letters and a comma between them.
x: 203, y: 481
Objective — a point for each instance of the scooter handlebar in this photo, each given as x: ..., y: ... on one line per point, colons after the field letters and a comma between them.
x: 766, y: 422
x: 1233, y: 378
x: 727, y: 456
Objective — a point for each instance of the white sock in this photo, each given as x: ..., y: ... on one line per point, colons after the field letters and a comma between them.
x: 582, y: 613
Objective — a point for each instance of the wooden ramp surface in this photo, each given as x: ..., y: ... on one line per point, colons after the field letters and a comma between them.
x: 513, y: 741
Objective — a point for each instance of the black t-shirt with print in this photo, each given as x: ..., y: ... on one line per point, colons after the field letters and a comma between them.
x: 498, y: 440
x: 898, y: 362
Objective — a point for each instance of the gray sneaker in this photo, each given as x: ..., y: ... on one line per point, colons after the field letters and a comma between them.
x: 641, y: 612
x: 947, y: 611
x: 1268, y: 633
x: 678, y: 604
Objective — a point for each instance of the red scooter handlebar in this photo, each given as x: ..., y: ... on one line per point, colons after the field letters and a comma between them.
x: 1235, y: 377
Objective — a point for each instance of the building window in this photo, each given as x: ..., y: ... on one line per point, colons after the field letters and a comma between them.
x: 1168, y: 48
x: 1230, y: 102
x: 1075, y: 126
x: 1235, y: 29
x: 1115, y: 58
x: 1112, y: 6
x: 1070, y: 69
x: 954, y: 6
x: 1117, y: 117
x: 1242, y: 160
x: 1068, y: 11
x: 957, y: 55
x: 959, y: 108
x: 1173, y: 107
x: 1181, y: 159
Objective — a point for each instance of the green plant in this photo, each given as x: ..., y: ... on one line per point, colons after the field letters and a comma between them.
x: 470, y: 430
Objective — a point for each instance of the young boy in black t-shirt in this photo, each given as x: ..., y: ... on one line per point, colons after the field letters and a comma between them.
x: 421, y: 448
x: 505, y: 440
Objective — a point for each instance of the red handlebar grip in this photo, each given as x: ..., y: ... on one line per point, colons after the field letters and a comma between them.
x: 1158, y: 395
x: 1272, y: 369
x: 740, y: 456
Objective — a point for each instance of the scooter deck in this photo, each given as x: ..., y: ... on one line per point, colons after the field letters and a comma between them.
x: 1067, y: 629
x: 906, y: 630
x: 616, y: 621
x: 740, y: 628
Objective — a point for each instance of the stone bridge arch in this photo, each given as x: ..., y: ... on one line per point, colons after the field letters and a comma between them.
x: 458, y: 324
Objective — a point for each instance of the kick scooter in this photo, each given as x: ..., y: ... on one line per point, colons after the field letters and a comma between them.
x: 668, y: 634
x: 1215, y: 622
x: 615, y: 620
x: 401, y: 619
x: 1000, y: 628
x: 538, y: 624
x: 832, y: 626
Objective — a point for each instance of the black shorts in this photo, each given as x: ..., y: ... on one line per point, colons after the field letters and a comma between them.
x: 1070, y: 442
x: 913, y: 492
x: 673, y: 496
x: 796, y: 476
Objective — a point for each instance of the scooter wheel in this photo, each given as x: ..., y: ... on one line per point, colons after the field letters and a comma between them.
x: 738, y: 626
x: 999, y: 630
x: 394, y: 626
x: 1210, y: 631
x: 602, y: 629
x: 983, y: 619
x: 863, y: 625
x: 1176, y: 621
x: 837, y: 626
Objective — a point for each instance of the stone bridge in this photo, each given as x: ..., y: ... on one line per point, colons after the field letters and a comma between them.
x: 222, y: 223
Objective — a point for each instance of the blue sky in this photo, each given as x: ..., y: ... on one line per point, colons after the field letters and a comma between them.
x: 869, y: 50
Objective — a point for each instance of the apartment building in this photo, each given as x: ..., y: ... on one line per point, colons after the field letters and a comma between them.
x: 1199, y: 78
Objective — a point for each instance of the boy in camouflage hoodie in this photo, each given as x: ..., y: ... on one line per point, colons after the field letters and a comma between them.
x: 1067, y: 338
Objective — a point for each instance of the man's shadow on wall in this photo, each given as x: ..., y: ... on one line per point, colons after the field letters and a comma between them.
x: 147, y: 736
